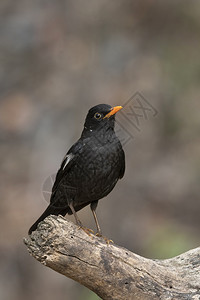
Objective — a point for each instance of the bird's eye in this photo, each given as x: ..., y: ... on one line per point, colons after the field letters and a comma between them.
x: 97, y: 115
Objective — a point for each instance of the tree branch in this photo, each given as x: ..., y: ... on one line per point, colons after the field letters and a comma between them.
x: 113, y: 272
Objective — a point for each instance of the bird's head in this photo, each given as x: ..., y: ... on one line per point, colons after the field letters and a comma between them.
x: 101, y: 116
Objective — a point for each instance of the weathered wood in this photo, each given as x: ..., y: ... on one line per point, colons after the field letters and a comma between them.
x: 113, y: 272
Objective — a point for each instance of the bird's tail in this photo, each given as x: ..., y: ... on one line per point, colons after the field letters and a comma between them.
x: 51, y: 210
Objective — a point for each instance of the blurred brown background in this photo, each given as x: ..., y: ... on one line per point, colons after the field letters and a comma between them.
x: 59, y: 58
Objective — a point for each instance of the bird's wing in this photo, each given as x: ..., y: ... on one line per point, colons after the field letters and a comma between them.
x: 68, y: 162
x: 66, y: 165
x: 122, y: 170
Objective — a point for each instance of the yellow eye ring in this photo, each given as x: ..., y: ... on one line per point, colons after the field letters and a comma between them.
x: 97, y: 116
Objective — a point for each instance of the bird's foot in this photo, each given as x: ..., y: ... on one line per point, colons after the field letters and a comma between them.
x: 80, y: 226
x: 108, y: 241
x: 86, y: 230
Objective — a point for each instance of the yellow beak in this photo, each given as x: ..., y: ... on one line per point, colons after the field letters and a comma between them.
x: 113, y: 111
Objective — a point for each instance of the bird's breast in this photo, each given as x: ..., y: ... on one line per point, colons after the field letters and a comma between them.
x: 96, y: 171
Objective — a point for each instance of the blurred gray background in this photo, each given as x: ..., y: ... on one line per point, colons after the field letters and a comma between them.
x: 58, y: 59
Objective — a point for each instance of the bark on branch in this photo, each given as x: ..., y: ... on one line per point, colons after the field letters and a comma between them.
x: 110, y: 271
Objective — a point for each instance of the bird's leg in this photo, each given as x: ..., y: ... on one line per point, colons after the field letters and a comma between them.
x: 78, y: 222
x: 93, y: 207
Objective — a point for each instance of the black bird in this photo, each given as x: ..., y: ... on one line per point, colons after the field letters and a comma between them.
x: 90, y: 169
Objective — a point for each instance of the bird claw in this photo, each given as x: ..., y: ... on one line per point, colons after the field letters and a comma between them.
x: 108, y: 241
x: 86, y: 230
